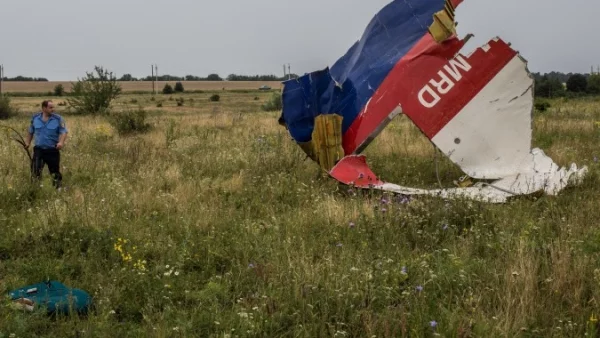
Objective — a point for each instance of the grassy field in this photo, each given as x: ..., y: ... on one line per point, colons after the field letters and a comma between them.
x: 137, y: 86
x: 213, y: 224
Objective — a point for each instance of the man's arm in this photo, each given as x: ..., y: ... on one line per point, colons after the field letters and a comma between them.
x: 62, y: 129
x: 28, y: 138
x: 61, y: 141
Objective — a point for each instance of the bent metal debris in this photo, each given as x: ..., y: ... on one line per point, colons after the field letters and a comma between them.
x: 476, y: 108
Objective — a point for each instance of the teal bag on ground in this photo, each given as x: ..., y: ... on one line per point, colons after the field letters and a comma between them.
x: 53, y: 296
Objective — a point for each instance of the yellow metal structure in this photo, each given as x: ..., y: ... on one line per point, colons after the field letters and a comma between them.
x: 325, y: 148
x: 443, y: 26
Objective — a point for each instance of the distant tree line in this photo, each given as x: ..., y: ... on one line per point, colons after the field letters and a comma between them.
x: 557, y: 84
x: 25, y: 79
x: 210, y: 77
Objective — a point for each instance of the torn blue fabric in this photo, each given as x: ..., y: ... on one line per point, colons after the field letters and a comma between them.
x: 350, y: 83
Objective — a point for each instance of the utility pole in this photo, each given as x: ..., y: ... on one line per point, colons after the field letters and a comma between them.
x: 289, y: 72
x: 154, y: 77
x: 1, y: 77
x: 284, y: 72
x: 153, y: 91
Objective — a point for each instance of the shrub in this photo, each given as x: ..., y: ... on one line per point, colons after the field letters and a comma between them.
x: 215, y: 98
x: 168, y: 89
x: 179, y: 87
x: 129, y: 121
x: 6, y: 109
x: 94, y: 93
x: 180, y: 101
x: 274, y: 104
x: 542, y: 105
x: 159, y: 105
x: 59, y: 90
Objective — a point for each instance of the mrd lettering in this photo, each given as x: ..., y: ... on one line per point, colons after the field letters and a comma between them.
x: 432, y: 93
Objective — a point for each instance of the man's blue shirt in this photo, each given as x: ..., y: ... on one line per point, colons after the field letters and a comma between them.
x: 46, y: 133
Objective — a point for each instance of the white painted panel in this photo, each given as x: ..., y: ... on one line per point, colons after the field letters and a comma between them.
x: 491, y: 136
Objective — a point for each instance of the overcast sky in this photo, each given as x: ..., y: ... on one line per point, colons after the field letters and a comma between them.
x: 62, y: 39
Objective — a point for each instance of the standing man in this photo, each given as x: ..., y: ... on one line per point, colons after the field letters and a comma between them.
x: 50, y: 133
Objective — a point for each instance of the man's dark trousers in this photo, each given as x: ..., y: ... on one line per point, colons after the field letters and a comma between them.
x: 50, y: 157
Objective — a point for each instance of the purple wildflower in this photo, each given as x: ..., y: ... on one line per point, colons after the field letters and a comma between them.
x: 433, y: 324
x: 251, y: 266
x: 445, y: 227
x: 419, y: 288
x: 403, y: 199
x: 384, y: 201
x: 383, y: 210
x: 352, y: 225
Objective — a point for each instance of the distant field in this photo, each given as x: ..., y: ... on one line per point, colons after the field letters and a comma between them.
x: 132, y: 86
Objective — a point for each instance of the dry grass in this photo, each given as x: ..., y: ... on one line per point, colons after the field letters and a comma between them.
x: 262, y: 243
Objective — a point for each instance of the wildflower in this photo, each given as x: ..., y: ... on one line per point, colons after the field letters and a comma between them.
x: 403, y: 199
x: 176, y: 273
x: 383, y: 210
x: 419, y: 288
x: 251, y: 266
x: 339, y: 245
x: 433, y: 324
x: 593, y: 318
x: 352, y: 225
x: 384, y: 201
x: 403, y: 270
x: 595, y: 158
x: 445, y: 227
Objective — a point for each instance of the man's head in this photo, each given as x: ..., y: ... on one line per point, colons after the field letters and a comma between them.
x: 47, y: 106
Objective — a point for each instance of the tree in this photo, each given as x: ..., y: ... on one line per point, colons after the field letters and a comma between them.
x: 593, y: 85
x: 6, y: 108
x: 549, y: 87
x: 178, y: 87
x: 168, y: 89
x: 59, y: 90
x: 577, y: 83
x: 94, y: 93
x: 127, y: 77
x: 214, y: 77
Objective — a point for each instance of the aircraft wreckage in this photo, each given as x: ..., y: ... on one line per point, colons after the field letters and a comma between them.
x: 476, y: 109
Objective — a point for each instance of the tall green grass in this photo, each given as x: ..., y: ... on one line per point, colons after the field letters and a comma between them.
x: 213, y: 224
